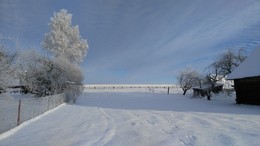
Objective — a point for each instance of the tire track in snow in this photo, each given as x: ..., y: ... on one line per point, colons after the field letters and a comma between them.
x: 148, y: 122
x: 187, y: 139
x: 110, y: 129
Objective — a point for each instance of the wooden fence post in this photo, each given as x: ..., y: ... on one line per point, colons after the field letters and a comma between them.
x: 48, y: 103
x: 61, y: 101
x: 19, y: 113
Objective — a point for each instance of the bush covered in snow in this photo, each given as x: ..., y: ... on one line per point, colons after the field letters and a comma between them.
x: 7, y: 68
x: 43, y: 76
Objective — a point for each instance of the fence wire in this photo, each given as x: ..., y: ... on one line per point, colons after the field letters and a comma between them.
x: 11, y: 116
x: 168, y: 89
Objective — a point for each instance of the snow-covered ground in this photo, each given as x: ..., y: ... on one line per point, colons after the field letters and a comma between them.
x: 30, y: 107
x: 150, y: 119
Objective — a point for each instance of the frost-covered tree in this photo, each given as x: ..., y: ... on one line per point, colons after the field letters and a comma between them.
x: 62, y: 72
x: 33, y: 73
x: 43, y: 76
x: 68, y: 78
x: 64, y: 40
x: 7, y: 68
x: 187, y: 79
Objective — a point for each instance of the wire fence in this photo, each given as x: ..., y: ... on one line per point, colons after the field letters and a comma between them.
x: 168, y: 89
x: 16, y: 111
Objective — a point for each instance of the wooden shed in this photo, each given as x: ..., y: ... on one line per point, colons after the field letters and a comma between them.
x: 247, y: 80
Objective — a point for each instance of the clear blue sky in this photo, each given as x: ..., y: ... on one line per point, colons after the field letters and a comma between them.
x: 140, y: 41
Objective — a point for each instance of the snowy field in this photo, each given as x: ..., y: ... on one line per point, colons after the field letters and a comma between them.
x: 142, y: 119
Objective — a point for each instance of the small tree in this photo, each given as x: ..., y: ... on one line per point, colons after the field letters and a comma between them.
x: 64, y: 40
x: 187, y: 79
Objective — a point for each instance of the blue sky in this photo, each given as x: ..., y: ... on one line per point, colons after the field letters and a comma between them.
x: 140, y: 41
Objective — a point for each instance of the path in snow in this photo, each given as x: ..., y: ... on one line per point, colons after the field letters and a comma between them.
x: 143, y: 119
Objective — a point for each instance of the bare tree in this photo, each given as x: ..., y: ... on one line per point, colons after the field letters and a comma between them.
x: 241, y: 56
x: 187, y: 79
x: 224, y: 64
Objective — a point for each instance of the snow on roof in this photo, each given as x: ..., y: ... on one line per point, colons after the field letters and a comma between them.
x: 249, y: 68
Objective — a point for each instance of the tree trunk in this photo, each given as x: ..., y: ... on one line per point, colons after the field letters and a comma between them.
x: 208, y: 95
x: 184, y: 92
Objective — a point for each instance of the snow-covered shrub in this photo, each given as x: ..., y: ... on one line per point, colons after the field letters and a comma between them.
x: 43, y: 76
x: 34, y: 72
x: 7, y: 68
x: 69, y: 78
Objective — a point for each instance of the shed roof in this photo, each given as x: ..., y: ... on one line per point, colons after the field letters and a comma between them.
x: 249, y: 68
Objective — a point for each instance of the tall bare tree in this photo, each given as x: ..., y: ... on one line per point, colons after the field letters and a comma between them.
x: 225, y: 63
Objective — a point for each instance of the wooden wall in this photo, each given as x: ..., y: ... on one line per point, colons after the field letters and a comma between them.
x: 248, y: 90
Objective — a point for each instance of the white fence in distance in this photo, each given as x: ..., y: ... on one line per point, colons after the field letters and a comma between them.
x: 16, y: 111
x: 168, y: 88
